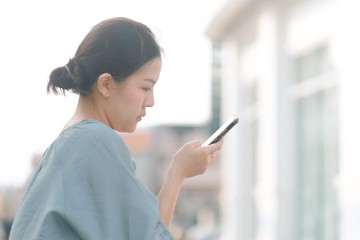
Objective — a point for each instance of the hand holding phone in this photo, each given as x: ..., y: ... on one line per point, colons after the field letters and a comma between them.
x: 222, y: 131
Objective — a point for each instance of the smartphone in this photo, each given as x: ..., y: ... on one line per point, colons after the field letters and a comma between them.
x: 222, y: 131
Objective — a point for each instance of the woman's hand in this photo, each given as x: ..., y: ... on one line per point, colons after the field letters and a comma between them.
x: 190, y: 160
x: 193, y: 159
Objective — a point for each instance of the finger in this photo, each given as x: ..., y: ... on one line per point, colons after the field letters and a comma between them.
x: 211, y: 159
x: 215, y: 146
x: 194, y: 144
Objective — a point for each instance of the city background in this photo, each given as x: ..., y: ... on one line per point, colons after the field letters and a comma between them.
x: 290, y: 169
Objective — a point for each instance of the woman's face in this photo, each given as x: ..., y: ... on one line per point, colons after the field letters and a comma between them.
x: 129, y: 99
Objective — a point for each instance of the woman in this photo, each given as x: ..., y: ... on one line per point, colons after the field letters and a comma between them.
x: 85, y: 186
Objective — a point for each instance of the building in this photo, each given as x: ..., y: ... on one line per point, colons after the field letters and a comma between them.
x: 290, y: 70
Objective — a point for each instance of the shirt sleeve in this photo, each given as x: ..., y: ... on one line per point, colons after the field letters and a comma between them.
x: 161, y: 233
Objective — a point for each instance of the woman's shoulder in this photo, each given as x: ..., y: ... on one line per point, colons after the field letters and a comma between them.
x: 89, y: 129
x: 88, y: 125
x: 91, y: 140
x: 90, y: 133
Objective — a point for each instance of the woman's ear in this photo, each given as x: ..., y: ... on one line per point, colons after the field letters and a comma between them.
x: 103, y: 84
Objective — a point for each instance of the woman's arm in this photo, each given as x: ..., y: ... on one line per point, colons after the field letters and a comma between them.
x: 190, y: 160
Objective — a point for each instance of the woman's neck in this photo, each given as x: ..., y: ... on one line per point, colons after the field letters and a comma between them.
x: 86, y: 109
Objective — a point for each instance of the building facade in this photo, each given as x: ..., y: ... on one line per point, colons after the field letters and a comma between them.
x: 290, y: 70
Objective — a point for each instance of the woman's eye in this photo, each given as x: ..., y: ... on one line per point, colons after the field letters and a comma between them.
x: 146, y: 89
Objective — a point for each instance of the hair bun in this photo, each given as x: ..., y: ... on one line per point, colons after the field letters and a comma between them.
x: 60, y: 80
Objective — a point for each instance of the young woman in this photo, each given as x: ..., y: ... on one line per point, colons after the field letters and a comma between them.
x: 85, y: 186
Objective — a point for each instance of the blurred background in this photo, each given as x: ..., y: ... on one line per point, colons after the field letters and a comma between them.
x: 289, y: 69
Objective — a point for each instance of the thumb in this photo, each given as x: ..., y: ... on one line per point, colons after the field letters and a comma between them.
x: 215, y: 146
x: 192, y: 145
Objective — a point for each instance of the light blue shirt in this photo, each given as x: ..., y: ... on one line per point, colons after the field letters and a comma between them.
x: 85, y: 188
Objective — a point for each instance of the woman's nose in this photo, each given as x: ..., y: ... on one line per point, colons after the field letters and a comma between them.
x: 150, y: 101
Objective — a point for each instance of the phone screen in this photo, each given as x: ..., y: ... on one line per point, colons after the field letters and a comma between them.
x: 222, y: 131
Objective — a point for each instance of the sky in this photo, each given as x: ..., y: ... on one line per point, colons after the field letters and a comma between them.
x: 38, y: 36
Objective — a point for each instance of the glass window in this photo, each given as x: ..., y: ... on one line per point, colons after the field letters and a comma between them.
x: 312, y: 64
x: 317, y: 151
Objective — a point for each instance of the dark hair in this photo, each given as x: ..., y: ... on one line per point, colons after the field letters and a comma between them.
x: 118, y: 46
